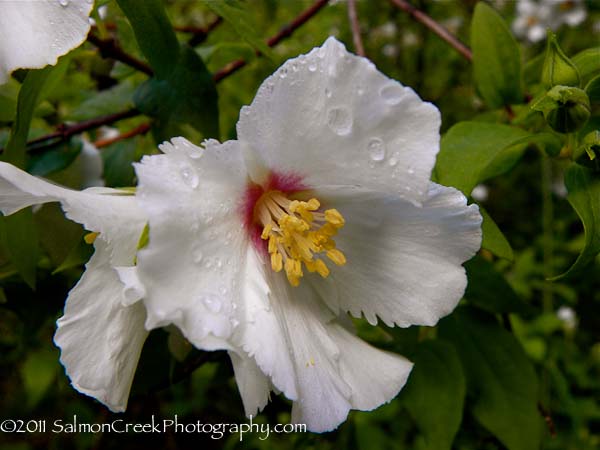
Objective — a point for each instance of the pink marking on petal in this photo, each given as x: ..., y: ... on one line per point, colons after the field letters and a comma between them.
x: 288, y: 183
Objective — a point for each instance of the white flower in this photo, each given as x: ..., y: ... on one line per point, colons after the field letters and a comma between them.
x: 260, y: 246
x: 100, y: 336
x: 322, y: 206
x: 535, y: 17
x: 35, y: 33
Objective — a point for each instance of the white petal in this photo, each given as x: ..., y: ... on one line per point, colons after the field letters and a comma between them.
x: 330, y: 115
x: 254, y: 386
x: 101, y: 340
x: 313, y: 359
x: 403, y: 262
x: 35, y: 33
x: 91, y: 165
x: 114, y: 216
x: 133, y: 289
x: 192, y: 198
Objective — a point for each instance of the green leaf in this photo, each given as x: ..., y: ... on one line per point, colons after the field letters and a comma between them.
x: 496, y: 58
x: 533, y: 68
x: 493, y: 239
x: 584, y: 196
x: 9, y: 93
x: 436, y: 402
x: 29, y: 96
x: 154, y: 34
x: 117, y: 98
x: 558, y: 69
x: 20, y: 239
x: 187, y: 95
x: 474, y: 151
x: 501, y: 382
x: 235, y: 13
x: 488, y: 289
x: 592, y: 89
x: 39, y: 371
x: 587, y: 62
x: 118, y: 159
x: 57, y: 158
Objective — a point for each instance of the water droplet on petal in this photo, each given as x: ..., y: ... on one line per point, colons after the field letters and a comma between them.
x: 197, y: 255
x: 327, y: 93
x: 392, y: 94
x: 393, y: 161
x: 360, y: 90
x: 339, y: 120
x: 411, y: 171
x: 63, y: 3
x: 294, y: 67
x: 190, y: 177
x: 212, y: 302
x: 283, y: 72
x: 131, y: 294
x: 376, y: 148
x: 312, y: 67
x: 235, y: 323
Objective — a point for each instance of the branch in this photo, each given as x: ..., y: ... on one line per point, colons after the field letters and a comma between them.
x: 438, y: 29
x: 285, y: 32
x: 66, y: 131
x: 110, y: 49
x: 199, y: 34
x: 140, y: 129
x: 355, y: 26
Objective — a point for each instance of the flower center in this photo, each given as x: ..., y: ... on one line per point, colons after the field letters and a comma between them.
x: 298, y: 233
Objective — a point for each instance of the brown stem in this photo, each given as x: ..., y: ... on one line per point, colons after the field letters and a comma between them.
x: 110, y: 49
x: 199, y: 34
x: 438, y: 29
x: 140, y: 129
x: 284, y: 32
x: 355, y: 26
x: 64, y: 132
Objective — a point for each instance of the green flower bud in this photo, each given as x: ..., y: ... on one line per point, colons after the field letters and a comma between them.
x: 558, y: 69
x: 566, y: 109
x: 588, y: 153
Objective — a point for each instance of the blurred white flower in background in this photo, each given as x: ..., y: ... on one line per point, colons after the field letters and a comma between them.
x: 568, y: 317
x: 535, y: 17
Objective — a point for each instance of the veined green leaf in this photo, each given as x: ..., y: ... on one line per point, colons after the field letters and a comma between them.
x: 488, y: 289
x: 493, y: 239
x: 584, y: 196
x: 436, y: 403
x: 587, y: 61
x: 474, y: 151
x: 501, y: 381
x: 154, y: 34
x: 235, y: 13
x: 496, y: 58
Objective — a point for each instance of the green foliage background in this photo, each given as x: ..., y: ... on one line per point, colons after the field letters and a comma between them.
x: 502, y: 371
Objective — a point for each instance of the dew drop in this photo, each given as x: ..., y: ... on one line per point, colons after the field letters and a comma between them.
x: 360, y: 90
x: 340, y: 120
x: 197, y: 255
x: 208, y: 264
x: 235, y: 323
x: 190, y: 177
x: 393, y: 161
x: 212, y: 302
x: 283, y: 72
x: 411, y: 171
x: 294, y: 67
x: 327, y: 93
x: 376, y: 148
x: 64, y: 3
x: 312, y: 67
x: 392, y: 94
x: 131, y: 294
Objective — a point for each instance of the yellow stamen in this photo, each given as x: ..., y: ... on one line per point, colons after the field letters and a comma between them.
x: 336, y: 256
x: 298, y: 233
x: 90, y: 238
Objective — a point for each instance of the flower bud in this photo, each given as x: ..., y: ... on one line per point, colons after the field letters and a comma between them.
x: 558, y: 69
x: 566, y: 109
